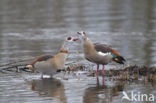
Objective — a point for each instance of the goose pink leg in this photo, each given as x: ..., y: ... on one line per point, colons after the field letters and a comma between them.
x: 103, y: 70
x: 97, y: 71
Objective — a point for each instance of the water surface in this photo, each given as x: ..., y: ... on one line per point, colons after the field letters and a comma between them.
x: 29, y: 28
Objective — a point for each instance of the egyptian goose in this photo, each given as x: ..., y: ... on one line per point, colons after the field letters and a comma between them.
x: 99, y: 53
x: 48, y: 64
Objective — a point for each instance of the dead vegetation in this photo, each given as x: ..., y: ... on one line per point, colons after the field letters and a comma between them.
x: 133, y: 73
x: 129, y: 73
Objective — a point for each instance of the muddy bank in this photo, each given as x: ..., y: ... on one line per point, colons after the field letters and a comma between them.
x: 133, y: 72
x: 128, y: 73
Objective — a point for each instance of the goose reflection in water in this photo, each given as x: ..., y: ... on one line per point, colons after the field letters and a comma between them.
x: 50, y: 87
x: 101, y: 93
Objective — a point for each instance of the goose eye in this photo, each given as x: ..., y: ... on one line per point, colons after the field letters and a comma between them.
x: 69, y: 38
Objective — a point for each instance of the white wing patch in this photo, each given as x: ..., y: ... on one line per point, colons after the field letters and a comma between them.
x: 104, y: 54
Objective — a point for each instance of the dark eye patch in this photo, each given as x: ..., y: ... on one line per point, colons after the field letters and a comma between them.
x: 69, y: 38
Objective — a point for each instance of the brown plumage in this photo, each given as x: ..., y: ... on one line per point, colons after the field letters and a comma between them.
x: 99, y: 53
x: 102, y: 47
x: 41, y: 58
x: 105, y: 48
x: 48, y: 64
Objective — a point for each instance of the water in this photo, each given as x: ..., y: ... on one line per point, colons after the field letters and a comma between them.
x: 30, y: 28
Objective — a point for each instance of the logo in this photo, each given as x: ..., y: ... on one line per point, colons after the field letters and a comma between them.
x: 137, y: 97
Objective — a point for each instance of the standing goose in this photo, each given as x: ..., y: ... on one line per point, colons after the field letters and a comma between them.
x: 48, y: 64
x: 99, y: 53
